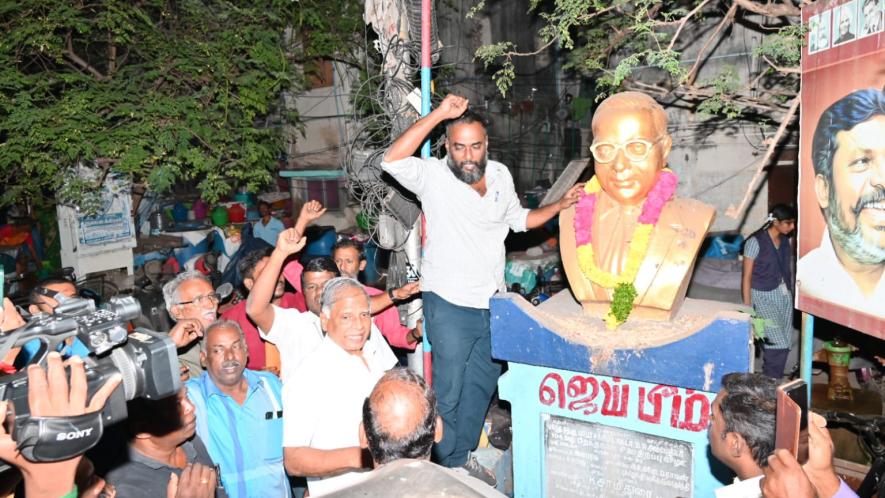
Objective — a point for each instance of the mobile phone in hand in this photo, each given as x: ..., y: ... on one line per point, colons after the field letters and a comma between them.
x: 791, y: 427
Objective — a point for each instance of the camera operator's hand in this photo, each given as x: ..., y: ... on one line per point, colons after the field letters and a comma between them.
x: 186, y: 331
x: 50, y: 395
x: 10, y: 319
x: 196, y: 481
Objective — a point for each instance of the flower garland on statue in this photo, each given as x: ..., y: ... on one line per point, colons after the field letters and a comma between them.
x: 625, y: 291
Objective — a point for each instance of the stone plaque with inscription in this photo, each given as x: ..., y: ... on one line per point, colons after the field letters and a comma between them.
x: 584, y: 459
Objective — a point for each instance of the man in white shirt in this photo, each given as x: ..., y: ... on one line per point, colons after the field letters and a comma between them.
x: 323, y: 400
x: 848, y: 268
x: 470, y: 205
x: 294, y: 333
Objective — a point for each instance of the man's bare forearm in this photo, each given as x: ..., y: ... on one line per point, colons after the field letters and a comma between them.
x: 451, y: 107
x: 258, y: 305
x: 311, y: 462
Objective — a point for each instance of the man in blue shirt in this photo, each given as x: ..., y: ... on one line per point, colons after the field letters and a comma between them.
x: 239, y: 415
x: 267, y: 228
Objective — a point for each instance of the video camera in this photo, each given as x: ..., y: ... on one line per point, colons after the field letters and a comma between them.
x: 146, y: 360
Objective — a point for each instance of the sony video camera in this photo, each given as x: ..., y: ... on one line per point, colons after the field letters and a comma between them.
x: 146, y: 360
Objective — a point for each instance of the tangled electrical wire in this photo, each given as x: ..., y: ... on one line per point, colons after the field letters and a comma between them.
x: 382, y: 111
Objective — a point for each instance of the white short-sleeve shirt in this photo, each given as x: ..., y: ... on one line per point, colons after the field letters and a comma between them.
x: 464, y: 252
x: 298, y: 334
x: 323, y: 401
x: 295, y: 334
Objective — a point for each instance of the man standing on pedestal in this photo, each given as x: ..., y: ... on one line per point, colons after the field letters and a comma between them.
x: 470, y: 205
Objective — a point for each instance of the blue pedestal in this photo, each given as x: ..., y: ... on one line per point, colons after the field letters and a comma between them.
x: 581, y: 428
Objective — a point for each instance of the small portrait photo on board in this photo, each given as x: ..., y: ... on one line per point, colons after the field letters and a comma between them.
x: 871, y: 17
x: 845, y: 23
x: 819, y: 32
x: 813, y: 23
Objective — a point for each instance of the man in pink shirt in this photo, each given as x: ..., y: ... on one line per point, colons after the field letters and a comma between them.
x: 250, y: 267
x: 349, y: 258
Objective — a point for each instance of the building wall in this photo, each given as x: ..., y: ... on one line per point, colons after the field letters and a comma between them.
x: 532, y: 125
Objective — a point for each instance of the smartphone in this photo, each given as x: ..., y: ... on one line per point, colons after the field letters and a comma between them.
x: 791, y: 427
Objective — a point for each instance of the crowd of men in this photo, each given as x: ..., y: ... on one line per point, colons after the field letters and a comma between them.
x: 305, y: 384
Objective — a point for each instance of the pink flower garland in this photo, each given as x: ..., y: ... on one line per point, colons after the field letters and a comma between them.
x: 584, y: 218
x: 660, y: 194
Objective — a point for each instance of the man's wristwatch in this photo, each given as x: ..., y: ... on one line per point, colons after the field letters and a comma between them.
x: 391, y: 296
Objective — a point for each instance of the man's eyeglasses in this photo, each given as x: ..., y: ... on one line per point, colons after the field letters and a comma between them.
x: 635, y: 150
x: 204, y: 301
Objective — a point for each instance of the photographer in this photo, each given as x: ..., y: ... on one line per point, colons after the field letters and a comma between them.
x: 163, y: 444
x: 742, y: 435
x: 50, y: 394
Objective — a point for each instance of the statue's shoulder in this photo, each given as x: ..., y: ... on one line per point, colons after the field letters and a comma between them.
x: 690, y: 213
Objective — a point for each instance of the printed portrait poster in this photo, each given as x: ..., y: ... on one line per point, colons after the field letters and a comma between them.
x: 840, y: 273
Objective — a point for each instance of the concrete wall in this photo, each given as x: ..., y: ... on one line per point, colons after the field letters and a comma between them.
x: 531, y: 125
x: 326, y: 113
x: 715, y: 158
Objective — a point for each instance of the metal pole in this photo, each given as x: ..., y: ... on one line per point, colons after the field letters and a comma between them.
x: 807, y: 350
x: 419, y: 361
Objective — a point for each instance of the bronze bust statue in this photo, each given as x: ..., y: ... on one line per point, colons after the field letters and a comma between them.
x: 629, y: 206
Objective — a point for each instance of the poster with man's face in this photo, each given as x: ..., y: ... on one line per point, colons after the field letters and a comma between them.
x: 845, y: 23
x: 871, y: 17
x: 840, y: 273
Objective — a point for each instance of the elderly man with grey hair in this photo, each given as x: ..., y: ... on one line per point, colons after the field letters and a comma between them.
x: 323, y: 401
x: 193, y: 303
x: 239, y: 415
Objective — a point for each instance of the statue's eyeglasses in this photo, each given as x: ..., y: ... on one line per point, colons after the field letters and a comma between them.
x: 635, y: 150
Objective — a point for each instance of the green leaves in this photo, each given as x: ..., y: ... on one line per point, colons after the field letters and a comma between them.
x: 163, y: 91
x: 666, y: 47
x: 622, y: 301
x: 506, y: 73
x: 783, y: 47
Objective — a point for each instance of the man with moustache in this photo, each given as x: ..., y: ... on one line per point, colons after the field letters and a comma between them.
x: 348, y: 255
x: 323, y: 401
x: 193, y: 303
x: 296, y: 334
x: 239, y: 415
x: 848, y: 154
x: 470, y: 205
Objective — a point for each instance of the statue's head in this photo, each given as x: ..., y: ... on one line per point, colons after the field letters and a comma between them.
x: 630, y: 145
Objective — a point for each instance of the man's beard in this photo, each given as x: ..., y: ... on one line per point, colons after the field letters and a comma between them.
x: 863, y: 251
x: 468, y: 177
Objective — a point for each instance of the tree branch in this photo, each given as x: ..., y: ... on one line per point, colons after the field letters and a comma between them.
x: 684, y: 21
x: 780, y: 69
x: 112, y: 54
x: 770, y: 9
x: 693, y: 72
x: 736, y: 212
x: 73, y: 57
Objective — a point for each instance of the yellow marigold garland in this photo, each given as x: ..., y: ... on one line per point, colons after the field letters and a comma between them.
x: 625, y: 292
